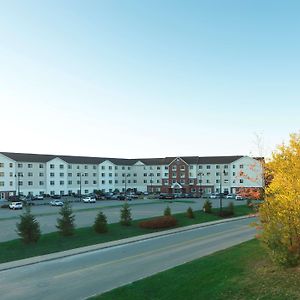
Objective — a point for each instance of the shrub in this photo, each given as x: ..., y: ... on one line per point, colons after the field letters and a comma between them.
x: 167, y: 211
x: 100, y: 224
x: 207, y: 207
x: 190, y: 213
x: 157, y: 223
x: 65, y: 224
x: 28, y: 228
x: 231, y: 208
x: 125, y: 218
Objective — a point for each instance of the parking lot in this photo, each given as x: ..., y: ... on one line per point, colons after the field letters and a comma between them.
x: 85, y: 213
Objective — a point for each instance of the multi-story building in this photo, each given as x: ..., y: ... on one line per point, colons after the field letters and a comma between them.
x: 35, y: 174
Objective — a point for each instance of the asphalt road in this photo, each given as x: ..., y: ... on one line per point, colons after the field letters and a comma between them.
x: 85, y: 213
x: 84, y: 275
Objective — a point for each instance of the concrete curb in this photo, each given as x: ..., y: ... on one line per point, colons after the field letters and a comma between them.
x: 85, y: 249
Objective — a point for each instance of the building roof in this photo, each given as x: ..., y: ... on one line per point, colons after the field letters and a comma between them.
x: 43, y: 158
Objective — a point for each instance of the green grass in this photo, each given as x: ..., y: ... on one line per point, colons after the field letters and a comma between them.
x: 53, y: 242
x: 243, y: 272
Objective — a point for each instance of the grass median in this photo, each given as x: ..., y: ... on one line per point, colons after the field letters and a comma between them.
x: 54, y: 242
x: 242, y: 272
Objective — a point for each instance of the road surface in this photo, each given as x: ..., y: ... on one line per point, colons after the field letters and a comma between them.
x: 84, y: 275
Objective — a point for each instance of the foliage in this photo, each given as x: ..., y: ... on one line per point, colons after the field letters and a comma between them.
x: 125, y: 218
x: 100, y: 224
x: 161, y: 222
x: 280, y: 212
x: 190, y: 213
x: 231, y: 208
x: 207, y: 207
x: 250, y: 193
x: 28, y: 228
x: 65, y: 224
x: 167, y: 211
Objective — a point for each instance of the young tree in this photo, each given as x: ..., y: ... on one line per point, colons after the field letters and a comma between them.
x: 280, y: 212
x: 65, y: 224
x: 28, y: 228
x: 167, y: 211
x: 190, y: 213
x: 207, y: 207
x: 125, y: 218
x: 100, y: 224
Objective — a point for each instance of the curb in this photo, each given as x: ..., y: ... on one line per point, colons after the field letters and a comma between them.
x: 86, y: 249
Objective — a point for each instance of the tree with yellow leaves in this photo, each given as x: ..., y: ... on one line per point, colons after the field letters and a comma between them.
x: 280, y: 212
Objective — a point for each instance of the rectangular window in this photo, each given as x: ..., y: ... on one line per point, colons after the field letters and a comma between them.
x: 10, y: 174
x: 10, y: 165
x: 19, y: 165
x: 241, y: 166
x: 191, y: 167
x: 166, y: 168
x: 69, y: 174
x: 51, y: 174
x: 41, y: 174
x: 61, y: 166
x: 116, y: 181
x: 94, y: 174
x: 225, y: 166
x: 110, y: 174
x: 134, y: 174
x: 207, y: 180
x: 102, y: 167
x: 110, y: 167
x: 145, y: 181
x: 158, y: 174
x: 200, y: 167
x: 217, y: 181
x: 61, y: 174
x: 61, y: 182
x: 145, y: 174
x: 1, y: 174
x: 217, y: 174
x: 41, y: 183
x: 86, y: 182
x: 103, y: 174
x: 29, y: 165
x: 51, y: 182
x: 226, y: 181
x: 69, y: 167
x: 1, y: 183
x: 110, y: 182
x: 134, y: 181
x: 158, y: 168
x: 208, y: 167
x: 174, y: 168
x: 51, y: 166
x: 217, y: 167
x: 30, y: 174
x: 86, y: 174
x: 116, y: 167
x: 11, y: 183
x: 41, y: 166
x: 94, y: 182
x: 85, y: 167
x: 233, y: 173
x: 241, y: 180
x: 70, y: 182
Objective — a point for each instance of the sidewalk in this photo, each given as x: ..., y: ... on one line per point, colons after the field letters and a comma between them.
x: 76, y: 251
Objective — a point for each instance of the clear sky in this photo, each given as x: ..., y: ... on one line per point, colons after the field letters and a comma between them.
x: 137, y: 78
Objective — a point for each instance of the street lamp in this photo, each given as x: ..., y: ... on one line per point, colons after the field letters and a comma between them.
x: 151, y: 181
x: 18, y: 175
x: 80, y: 184
x: 221, y: 195
x: 200, y: 187
x: 125, y: 186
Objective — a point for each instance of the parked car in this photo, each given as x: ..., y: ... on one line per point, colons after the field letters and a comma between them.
x: 121, y: 197
x: 16, y: 205
x: 56, y: 203
x: 213, y: 196
x: 237, y: 197
x: 56, y: 196
x: 128, y: 198
x: 89, y: 200
x: 230, y: 196
x: 39, y: 197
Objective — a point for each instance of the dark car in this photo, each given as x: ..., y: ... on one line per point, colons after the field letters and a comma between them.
x: 169, y: 196
x: 56, y: 196
x: 121, y: 197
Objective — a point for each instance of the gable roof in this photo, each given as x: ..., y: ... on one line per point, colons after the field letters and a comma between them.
x: 43, y: 158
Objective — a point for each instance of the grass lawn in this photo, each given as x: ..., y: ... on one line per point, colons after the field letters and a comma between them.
x: 53, y: 242
x: 241, y: 272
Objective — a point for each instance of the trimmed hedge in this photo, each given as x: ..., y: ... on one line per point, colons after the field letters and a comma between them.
x: 157, y: 223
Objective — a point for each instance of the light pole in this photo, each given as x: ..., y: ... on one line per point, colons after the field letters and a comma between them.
x: 80, y: 184
x: 151, y: 181
x: 221, y: 195
x: 125, y: 187
x: 200, y: 187
x: 18, y: 175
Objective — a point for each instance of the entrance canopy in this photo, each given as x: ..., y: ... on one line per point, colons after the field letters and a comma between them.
x: 176, y: 185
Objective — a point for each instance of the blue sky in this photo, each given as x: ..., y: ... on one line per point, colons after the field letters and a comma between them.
x: 148, y: 78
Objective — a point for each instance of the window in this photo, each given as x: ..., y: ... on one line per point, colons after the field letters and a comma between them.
x: 116, y: 174
x: 86, y: 174
x: 158, y: 168
x: 116, y: 167
x: 103, y: 174
x: 41, y: 174
x: 69, y: 174
x: 69, y: 167
x: 19, y: 165
x: 241, y: 180
x: 207, y: 180
x: 29, y: 165
x: 61, y: 166
x: 145, y: 181
x: 208, y: 173
x: 41, y: 183
x: 51, y: 174
x: 10, y: 165
x: 86, y: 182
x: 226, y: 181
x: 110, y: 168
x: 78, y: 181
x: 1, y: 183
x: 20, y: 182
x: 1, y: 174
x: 217, y: 181
x: 225, y: 166
x: 86, y: 191
x: 78, y: 167
x: 166, y: 168
x: 123, y: 168
x: 134, y: 174
x: 217, y: 167
x: 103, y: 181
x: 51, y: 166
x: 241, y: 166
x: 191, y: 167
x: 145, y: 174
x: 61, y: 182
x: 157, y: 181
x: 110, y: 174
x: 173, y: 174
x: 208, y: 167
x: 110, y: 181
x: 85, y: 167
x: 61, y: 174
x: 166, y: 174
x: 94, y: 182
x: 94, y: 167
x: 158, y: 174
x: 218, y: 174
x: 200, y: 167
x: 134, y: 181
x: 10, y: 174
x: 123, y: 181
x: 30, y: 174
x: 94, y: 174
x: 182, y: 168
x: 128, y: 168
x: 11, y: 183
x: 116, y: 181
x: 233, y: 166
x: 70, y: 182
x: 174, y: 168
x: 102, y: 167
x: 233, y: 173
x: 51, y: 182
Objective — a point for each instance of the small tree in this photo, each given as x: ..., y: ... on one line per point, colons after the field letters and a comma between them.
x: 65, y: 224
x: 231, y: 208
x: 125, y: 218
x: 190, y: 213
x: 167, y: 211
x: 100, y: 224
x: 28, y: 228
x: 207, y: 207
